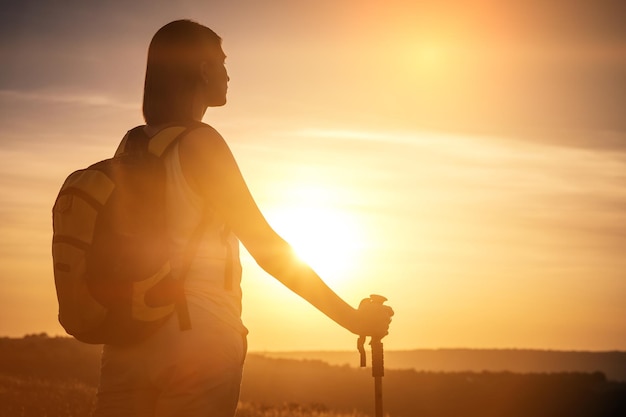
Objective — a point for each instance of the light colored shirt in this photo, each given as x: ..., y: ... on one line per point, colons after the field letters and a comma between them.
x: 213, y: 282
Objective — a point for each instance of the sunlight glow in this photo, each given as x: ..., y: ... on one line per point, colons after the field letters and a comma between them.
x: 430, y: 56
x: 326, y: 237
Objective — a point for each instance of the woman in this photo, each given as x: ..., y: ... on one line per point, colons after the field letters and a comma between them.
x: 197, y: 372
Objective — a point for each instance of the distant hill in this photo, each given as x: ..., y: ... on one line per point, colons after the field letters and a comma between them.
x: 43, y: 374
x: 611, y: 364
x: 19, y: 353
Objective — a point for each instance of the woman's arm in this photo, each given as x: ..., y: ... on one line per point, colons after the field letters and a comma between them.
x: 212, y: 171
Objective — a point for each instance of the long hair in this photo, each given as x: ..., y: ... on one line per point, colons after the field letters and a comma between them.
x: 173, y: 70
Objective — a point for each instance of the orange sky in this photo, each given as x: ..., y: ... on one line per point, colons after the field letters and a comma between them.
x: 464, y: 160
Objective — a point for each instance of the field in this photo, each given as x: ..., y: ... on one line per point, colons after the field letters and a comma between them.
x: 50, y: 377
x: 32, y: 397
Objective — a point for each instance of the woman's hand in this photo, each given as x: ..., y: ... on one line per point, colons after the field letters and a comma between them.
x: 372, y: 318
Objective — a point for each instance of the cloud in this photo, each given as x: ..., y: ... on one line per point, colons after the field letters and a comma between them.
x: 47, y: 97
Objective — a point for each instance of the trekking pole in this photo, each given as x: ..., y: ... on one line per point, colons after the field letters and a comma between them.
x: 378, y: 366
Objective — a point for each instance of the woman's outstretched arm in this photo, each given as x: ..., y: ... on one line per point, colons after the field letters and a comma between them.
x: 211, y: 169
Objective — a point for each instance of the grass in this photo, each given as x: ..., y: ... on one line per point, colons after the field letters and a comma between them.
x: 290, y: 410
x: 37, y: 397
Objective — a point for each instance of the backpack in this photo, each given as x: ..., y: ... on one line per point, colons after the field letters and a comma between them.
x: 110, y: 245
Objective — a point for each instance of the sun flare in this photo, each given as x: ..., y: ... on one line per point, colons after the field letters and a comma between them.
x: 326, y: 238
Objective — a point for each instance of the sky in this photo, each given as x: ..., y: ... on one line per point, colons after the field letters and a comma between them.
x: 465, y: 159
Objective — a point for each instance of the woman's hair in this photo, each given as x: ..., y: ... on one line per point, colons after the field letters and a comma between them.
x: 173, y: 70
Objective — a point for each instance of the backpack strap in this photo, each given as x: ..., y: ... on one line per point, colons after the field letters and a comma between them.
x: 228, y: 267
x: 136, y: 140
x: 182, y: 310
x: 159, y: 145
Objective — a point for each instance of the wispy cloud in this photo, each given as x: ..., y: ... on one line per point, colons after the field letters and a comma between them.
x: 85, y: 99
x: 76, y: 120
x: 595, y: 140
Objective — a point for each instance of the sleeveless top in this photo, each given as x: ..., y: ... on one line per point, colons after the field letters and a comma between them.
x: 213, y: 282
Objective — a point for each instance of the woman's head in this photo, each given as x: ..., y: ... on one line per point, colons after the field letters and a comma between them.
x: 185, y: 69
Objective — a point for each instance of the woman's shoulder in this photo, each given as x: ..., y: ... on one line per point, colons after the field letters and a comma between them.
x: 203, y: 144
x: 203, y: 132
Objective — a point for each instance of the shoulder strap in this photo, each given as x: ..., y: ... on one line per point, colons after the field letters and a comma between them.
x: 159, y: 145
x: 137, y: 141
x: 182, y: 310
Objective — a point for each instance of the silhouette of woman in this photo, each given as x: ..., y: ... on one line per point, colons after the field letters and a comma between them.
x: 197, y: 372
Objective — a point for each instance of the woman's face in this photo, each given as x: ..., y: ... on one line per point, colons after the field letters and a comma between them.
x: 215, y: 78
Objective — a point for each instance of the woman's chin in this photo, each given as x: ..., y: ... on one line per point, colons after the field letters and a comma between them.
x: 218, y: 103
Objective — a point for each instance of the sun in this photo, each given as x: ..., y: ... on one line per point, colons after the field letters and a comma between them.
x: 324, y: 237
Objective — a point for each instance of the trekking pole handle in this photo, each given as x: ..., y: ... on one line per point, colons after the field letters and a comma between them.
x: 378, y: 299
